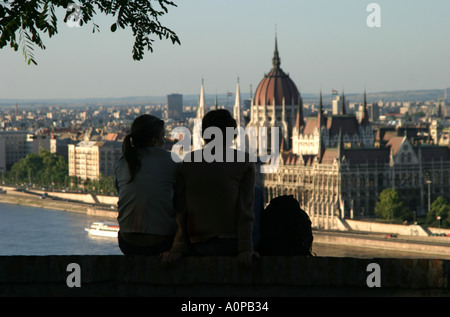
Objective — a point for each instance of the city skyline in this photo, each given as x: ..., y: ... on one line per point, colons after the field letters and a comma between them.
x: 323, y: 45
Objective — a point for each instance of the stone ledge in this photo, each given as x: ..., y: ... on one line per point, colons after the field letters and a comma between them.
x: 220, y: 276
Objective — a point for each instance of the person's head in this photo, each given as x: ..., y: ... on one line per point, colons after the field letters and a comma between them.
x: 220, y: 118
x: 146, y: 131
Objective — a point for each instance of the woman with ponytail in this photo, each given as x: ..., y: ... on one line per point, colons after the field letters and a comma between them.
x: 145, y: 180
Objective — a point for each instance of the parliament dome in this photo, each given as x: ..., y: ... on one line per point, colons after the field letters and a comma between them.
x: 276, y: 86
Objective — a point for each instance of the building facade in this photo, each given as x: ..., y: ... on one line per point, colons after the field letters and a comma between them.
x: 345, y: 182
x: 44, y: 142
x: 174, y: 106
x: 13, y: 147
x: 93, y: 159
x: 337, y: 164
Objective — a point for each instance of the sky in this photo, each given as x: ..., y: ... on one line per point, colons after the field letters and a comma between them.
x: 323, y: 44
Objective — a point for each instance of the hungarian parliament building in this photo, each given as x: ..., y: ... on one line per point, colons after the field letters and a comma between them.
x: 337, y: 164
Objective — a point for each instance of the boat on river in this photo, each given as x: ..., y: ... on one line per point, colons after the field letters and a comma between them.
x: 103, y: 229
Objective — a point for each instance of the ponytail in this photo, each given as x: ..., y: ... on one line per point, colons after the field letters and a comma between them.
x: 129, y: 152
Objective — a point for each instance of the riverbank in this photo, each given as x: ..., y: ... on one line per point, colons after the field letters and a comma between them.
x: 49, y: 201
x: 433, y: 247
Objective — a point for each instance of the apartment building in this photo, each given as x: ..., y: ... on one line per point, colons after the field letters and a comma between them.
x: 13, y: 147
x: 93, y: 159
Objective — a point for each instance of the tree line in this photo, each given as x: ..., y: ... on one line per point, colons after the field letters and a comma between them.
x: 390, y: 207
x: 50, y: 171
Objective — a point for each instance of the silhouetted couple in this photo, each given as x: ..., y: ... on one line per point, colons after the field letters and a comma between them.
x: 189, y: 208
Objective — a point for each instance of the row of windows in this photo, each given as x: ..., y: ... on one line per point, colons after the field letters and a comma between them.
x: 370, y: 180
x: 406, y: 158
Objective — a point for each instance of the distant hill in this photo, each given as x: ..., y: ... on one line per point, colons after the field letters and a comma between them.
x: 407, y: 95
x: 402, y: 95
x: 192, y: 99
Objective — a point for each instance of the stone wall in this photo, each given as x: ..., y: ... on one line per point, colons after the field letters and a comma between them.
x: 86, y: 198
x: 221, y: 276
x: 412, y: 230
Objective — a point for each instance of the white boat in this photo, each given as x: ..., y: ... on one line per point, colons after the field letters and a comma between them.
x: 103, y: 229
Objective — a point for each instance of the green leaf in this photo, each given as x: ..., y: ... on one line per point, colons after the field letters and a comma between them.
x: 114, y: 27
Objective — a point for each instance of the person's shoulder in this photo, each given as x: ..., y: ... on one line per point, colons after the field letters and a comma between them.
x: 159, y: 151
x: 162, y: 155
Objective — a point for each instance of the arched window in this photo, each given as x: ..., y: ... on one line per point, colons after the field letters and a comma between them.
x: 362, y: 181
x: 397, y: 179
x: 436, y: 178
x: 371, y: 181
x: 426, y: 177
x: 380, y: 180
x: 353, y: 180
x: 409, y: 179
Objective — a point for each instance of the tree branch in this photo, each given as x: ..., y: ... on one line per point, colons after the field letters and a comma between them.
x: 31, y: 17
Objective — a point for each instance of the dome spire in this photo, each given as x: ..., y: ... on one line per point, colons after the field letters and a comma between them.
x: 276, y: 58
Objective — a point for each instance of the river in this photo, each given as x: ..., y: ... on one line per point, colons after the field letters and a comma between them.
x: 28, y: 230
x: 36, y: 231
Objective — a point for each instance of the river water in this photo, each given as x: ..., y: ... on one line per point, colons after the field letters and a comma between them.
x: 36, y: 231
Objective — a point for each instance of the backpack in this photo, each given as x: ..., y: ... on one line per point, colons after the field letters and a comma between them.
x: 285, y: 228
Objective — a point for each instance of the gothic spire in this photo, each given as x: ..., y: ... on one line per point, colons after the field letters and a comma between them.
x: 300, y: 120
x: 201, y: 103
x: 237, y: 111
x: 365, y: 115
x: 340, y: 145
x: 320, y: 117
x: 276, y: 58
x: 343, y: 110
x: 321, y: 148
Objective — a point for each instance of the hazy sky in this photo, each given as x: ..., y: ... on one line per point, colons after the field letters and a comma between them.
x: 322, y: 43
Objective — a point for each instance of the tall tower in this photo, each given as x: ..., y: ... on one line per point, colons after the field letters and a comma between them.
x: 175, y: 105
x: 197, y: 141
x: 320, y: 114
x: 343, y: 110
x: 201, y: 103
x: 237, y: 109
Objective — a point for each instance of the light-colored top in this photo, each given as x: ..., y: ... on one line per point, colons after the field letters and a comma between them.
x: 215, y: 200
x: 146, y: 204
